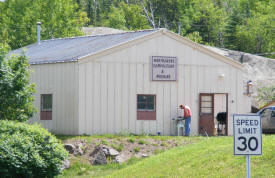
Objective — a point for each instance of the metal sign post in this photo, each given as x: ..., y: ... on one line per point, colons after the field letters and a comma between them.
x: 247, y: 166
x: 247, y: 136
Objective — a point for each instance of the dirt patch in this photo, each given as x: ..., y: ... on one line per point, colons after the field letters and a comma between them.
x: 127, y: 147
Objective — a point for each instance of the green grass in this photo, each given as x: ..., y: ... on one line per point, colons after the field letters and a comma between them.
x: 136, y: 149
x: 211, y: 157
x: 85, y: 170
x: 131, y: 140
x: 141, y: 142
x: 205, y: 157
x: 118, y: 147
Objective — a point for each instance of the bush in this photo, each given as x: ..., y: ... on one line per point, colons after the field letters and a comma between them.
x: 16, y: 92
x: 29, y: 151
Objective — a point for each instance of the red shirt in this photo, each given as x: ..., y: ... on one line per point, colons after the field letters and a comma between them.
x: 187, y: 111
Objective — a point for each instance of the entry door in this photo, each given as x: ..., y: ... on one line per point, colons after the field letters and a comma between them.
x: 206, y: 114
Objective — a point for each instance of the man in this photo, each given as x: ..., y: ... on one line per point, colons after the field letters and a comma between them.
x: 187, y: 117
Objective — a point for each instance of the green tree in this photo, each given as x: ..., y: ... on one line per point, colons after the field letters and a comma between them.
x: 16, y: 93
x: 60, y: 18
x: 195, y: 36
x: 256, y: 34
x: 134, y: 19
x: 266, y: 94
x: 209, y: 20
x: 115, y: 19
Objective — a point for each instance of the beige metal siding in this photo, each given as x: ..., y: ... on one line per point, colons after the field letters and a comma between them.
x: 61, y: 81
x: 109, y: 85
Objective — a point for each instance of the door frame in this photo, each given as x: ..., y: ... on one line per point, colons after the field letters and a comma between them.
x: 213, y: 106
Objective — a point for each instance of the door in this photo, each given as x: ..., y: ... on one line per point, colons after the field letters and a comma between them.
x: 206, y: 114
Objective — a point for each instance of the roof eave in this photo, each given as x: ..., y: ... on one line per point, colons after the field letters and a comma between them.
x: 203, y: 49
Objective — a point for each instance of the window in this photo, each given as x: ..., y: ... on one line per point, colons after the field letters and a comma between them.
x: 146, y: 102
x: 266, y: 113
x: 146, y: 107
x: 207, y: 104
x: 46, y: 107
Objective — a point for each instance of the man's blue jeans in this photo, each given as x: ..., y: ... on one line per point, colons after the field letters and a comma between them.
x: 187, y: 126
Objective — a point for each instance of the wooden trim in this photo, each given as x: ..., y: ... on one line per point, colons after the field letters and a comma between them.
x: 146, y: 115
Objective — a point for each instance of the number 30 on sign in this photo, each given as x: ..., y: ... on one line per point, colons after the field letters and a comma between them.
x: 247, y: 134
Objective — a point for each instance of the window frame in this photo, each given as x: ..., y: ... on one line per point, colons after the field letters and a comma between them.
x: 146, y: 114
x: 154, y: 102
x: 46, y: 114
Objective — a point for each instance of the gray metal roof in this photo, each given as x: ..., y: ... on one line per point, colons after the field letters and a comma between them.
x: 72, y: 49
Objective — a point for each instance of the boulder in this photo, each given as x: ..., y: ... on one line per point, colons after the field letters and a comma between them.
x: 113, y: 152
x: 97, y: 157
x: 109, y: 151
x: 119, y: 159
x: 70, y: 148
x: 78, y: 151
x: 105, y: 149
x: 65, y: 165
x: 80, y: 143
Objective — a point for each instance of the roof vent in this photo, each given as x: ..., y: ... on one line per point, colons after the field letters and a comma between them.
x: 38, y: 31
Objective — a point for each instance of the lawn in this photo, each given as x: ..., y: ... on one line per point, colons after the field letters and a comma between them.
x: 204, y: 157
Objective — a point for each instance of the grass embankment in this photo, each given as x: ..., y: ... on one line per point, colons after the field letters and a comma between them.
x: 211, y: 157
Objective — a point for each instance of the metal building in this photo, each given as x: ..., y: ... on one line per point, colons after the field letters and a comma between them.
x: 132, y: 82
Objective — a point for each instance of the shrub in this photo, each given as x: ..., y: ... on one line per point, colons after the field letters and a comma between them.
x: 131, y: 140
x: 141, y: 142
x: 29, y: 151
x: 118, y: 147
x: 136, y: 149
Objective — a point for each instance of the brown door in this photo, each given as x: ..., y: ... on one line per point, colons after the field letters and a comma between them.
x: 206, y: 114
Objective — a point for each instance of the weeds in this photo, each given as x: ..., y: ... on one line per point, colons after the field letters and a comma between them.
x: 136, y: 149
x: 141, y: 142
x: 119, y: 147
x: 131, y: 140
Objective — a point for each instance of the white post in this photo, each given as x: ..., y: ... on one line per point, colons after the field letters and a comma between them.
x: 38, y: 31
x: 248, y: 166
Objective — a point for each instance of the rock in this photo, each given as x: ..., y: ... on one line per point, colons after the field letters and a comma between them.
x: 65, y: 165
x: 78, y: 151
x: 109, y: 151
x: 97, y: 157
x: 144, y: 155
x: 70, y: 148
x: 113, y: 152
x: 80, y: 143
x: 119, y: 159
x: 105, y: 150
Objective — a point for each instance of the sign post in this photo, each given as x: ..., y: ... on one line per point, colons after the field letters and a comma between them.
x: 247, y: 136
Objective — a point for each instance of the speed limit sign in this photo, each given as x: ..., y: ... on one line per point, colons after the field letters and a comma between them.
x: 247, y: 134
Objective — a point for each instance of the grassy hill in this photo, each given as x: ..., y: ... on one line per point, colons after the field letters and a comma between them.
x: 211, y: 157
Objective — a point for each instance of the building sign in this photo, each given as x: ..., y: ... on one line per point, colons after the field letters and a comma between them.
x: 247, y: 134
x: 164, y: 68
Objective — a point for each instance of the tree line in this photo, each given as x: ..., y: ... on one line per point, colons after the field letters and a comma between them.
x: 243, y: 25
